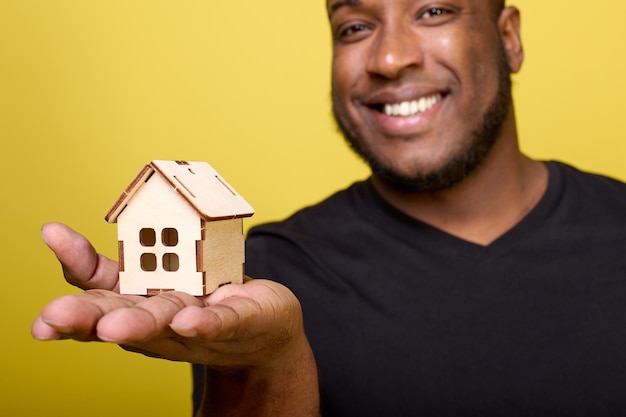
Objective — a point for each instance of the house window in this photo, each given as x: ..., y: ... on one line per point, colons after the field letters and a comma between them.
x: 169, y: 237
x: 148, y: 262
x: 170, y: 262
x: 147, y: 237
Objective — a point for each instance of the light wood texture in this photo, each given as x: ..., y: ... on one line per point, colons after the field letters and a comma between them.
x: 180, y: 227
x: 198, y: 183
x: 223, y: 254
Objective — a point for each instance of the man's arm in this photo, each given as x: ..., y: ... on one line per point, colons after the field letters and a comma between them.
x: 284, y: 388
x: 250, y: 337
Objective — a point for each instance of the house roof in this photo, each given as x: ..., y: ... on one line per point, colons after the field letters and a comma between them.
x: 197, y: 183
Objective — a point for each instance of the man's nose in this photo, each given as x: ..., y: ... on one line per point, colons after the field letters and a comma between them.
x: 395, y: 49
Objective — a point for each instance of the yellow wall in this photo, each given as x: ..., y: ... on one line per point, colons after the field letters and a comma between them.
x: 90, y: 90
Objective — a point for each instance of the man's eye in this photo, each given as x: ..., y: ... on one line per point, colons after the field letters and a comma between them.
x: 435, y: 15
x: 353, y: 30
x: 434, y: 12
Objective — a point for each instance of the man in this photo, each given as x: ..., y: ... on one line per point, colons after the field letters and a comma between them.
x: 463, y: 278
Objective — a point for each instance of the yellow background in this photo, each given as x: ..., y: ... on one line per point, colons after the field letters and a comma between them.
x: 90, y: 90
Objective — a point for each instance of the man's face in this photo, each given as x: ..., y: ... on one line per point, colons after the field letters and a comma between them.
x: 419, y: 88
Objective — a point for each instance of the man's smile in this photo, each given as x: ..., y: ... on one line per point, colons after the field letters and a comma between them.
x: 403, y: 113
x: 412, y: 107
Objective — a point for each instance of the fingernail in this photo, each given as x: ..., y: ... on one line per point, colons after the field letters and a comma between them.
x: 109, y: 339
x: 184, y: 331
x: 47, y: 338
x: 61, y: 328
x: 42, y: 234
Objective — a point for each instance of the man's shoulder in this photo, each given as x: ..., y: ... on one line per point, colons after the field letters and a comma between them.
x: 310, y: 237
x: 586, y: 184
x: 334, y: 211
x: 587, y: 197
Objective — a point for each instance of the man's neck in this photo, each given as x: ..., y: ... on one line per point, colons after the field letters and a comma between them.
x: 484, y: 206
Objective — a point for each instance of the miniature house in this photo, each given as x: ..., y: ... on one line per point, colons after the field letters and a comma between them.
x: 180, y: 227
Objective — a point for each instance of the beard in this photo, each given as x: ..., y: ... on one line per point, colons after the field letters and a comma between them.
x: 462, y: 163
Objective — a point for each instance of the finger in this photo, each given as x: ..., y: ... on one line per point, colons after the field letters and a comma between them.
x: 236, y: 312
x: 42, y: 331
x: 146, y: 321
x: 219, y: 335
x: 232, y: 320
x: 241, y: 324
x: 82, y: 265
x: 77, y: 316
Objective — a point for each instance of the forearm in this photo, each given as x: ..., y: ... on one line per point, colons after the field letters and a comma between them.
x: 287, y: 387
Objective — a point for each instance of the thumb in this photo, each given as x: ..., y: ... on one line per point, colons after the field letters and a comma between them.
x: 82, y: 265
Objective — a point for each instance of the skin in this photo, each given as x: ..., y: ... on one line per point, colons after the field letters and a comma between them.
x: 250, y: 337
x: 431, y: 152
x: 371, y: 68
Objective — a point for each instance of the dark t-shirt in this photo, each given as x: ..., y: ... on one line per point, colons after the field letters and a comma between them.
x: 406, y: 320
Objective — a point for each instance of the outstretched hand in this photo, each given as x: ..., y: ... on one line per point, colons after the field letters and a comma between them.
x: 250, y: 335
x: 238, y: 325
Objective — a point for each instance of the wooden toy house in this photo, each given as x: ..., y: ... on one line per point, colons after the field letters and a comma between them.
x: 180, y: 227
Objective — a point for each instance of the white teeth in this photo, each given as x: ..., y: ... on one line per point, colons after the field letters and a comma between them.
x: 409, y: 108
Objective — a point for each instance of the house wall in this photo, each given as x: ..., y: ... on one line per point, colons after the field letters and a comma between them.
x: 156, y: 205
x: 223, y: 253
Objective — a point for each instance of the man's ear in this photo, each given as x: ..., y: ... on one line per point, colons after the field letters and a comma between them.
x: 509, y: 27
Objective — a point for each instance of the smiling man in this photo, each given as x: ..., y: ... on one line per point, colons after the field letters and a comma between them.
x: 422, y: 91
x: 462, y: 279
